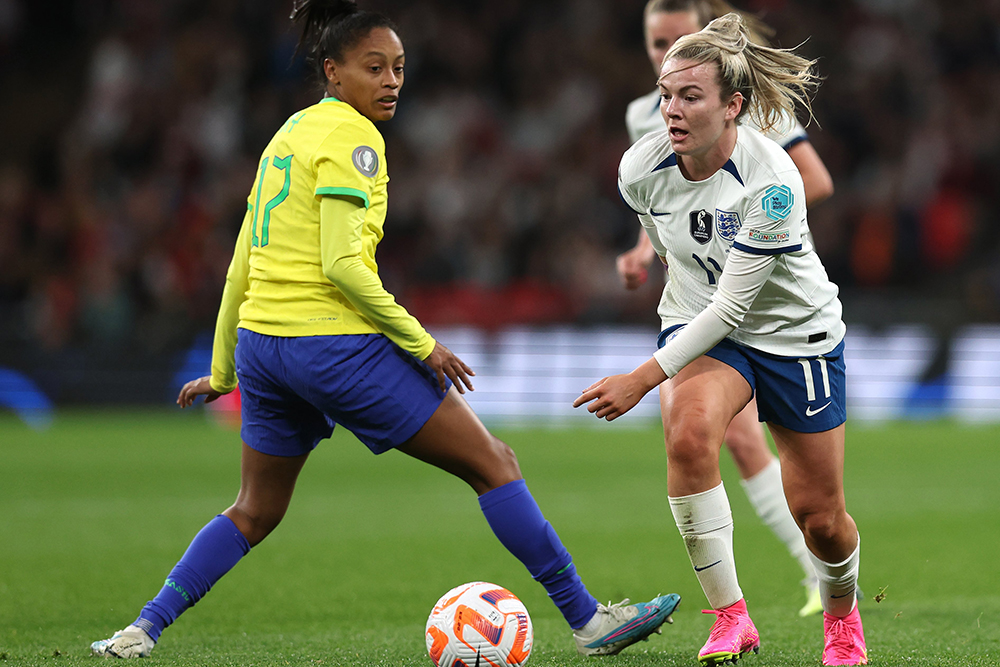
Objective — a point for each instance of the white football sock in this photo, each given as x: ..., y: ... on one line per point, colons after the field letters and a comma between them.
x: 838, y: 583
x: 706, y: 524
x: 768, y: 499
x: 592, y: 626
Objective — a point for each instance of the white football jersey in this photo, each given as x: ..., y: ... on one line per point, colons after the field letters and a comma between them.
x: 643, y: 116
x: 756, y: 203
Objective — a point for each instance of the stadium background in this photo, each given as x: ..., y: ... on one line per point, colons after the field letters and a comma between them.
x: 131, y: 130
x: 129, y: 134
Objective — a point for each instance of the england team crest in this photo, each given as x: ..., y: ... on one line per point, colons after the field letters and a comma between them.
x: 701, y: 226
x: 727, y: 224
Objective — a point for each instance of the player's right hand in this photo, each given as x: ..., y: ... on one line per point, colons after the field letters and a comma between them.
x: 196, y: 388
x: 445, y: 363
x: 632, y: 268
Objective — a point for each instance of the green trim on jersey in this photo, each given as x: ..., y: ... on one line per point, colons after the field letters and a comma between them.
x: 351, y: 192
x: 329, y: 98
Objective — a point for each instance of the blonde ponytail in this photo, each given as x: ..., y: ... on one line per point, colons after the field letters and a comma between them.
x: 772, y: 81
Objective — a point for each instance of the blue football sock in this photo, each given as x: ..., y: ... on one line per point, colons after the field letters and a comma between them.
x: 518, y: 523
x: 214, y: 551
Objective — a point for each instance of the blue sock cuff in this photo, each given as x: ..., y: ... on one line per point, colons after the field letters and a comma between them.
x: 241, y: 540
x: 501, y: 493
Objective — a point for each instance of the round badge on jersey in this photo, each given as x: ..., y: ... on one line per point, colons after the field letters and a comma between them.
x: 365, y: 160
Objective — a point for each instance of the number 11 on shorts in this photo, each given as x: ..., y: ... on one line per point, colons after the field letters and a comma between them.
x: 810, y: 381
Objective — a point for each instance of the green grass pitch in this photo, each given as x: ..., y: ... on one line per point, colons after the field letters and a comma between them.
x: 95, y: 511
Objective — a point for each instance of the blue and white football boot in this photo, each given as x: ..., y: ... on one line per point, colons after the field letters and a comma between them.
x: 620, y: 625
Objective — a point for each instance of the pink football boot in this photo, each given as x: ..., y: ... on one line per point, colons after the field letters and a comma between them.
x: 845, y: 640
x: 733, y: 635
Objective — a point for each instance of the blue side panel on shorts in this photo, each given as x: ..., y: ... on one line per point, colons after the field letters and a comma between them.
x: 803, y: 394
x: 295, y: 389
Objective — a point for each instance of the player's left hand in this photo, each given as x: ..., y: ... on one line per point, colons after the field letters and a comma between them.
x: 632, y: 268
x: 611, y: 397
x: 196, y: 388
x: 446, y: 363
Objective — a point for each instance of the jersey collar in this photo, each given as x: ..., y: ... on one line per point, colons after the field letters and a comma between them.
x: 730, y: 166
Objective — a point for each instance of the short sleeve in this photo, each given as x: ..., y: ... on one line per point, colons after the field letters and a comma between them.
x: 349, y: 161
x: 649, y: 225
x: 629, y: 197
x: 774, y: 217
x: 629, y: 191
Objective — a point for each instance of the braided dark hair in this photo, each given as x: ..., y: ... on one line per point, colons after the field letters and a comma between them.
x: 332, y: 27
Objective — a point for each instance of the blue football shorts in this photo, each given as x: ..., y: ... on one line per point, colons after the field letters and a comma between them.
x: 803, y: 394
x: 295, y: 390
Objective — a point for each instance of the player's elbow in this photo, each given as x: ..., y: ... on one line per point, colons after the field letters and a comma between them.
x: 235, y: 285
x: 338, y: 271
x: 728, y: 311
x: 820, y: 190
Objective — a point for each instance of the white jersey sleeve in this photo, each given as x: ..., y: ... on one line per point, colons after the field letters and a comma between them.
x: 634, y: 189
x: 649, y: 226
x: 630, y: 191
x: 637, y: 162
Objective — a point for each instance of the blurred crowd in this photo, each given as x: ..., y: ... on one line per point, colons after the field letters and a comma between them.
x: 132, y: 128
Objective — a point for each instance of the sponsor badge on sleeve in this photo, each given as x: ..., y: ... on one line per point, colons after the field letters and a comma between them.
x: 777, y: 202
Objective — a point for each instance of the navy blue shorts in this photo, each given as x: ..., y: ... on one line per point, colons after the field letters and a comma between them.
x: 296, y: 389
x: 803, y: 394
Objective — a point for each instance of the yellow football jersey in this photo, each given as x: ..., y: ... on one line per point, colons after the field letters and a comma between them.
x: 276, y: 282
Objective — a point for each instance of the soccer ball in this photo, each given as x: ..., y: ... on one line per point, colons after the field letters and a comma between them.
x: 479, y: 624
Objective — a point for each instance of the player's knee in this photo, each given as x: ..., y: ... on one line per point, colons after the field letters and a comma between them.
x: 820, y: 526
x: 488, y: 465
x: 255, y: 521
x: 504, y: 467
x: 741, y: 441
x: 690, y: 446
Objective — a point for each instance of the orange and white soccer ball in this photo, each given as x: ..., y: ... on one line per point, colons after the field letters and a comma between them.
x: 479, y: 624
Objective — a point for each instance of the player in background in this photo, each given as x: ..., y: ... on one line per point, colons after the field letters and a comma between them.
x: 315, y: 339
x: 663, y: 22
x: 748, y: 310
